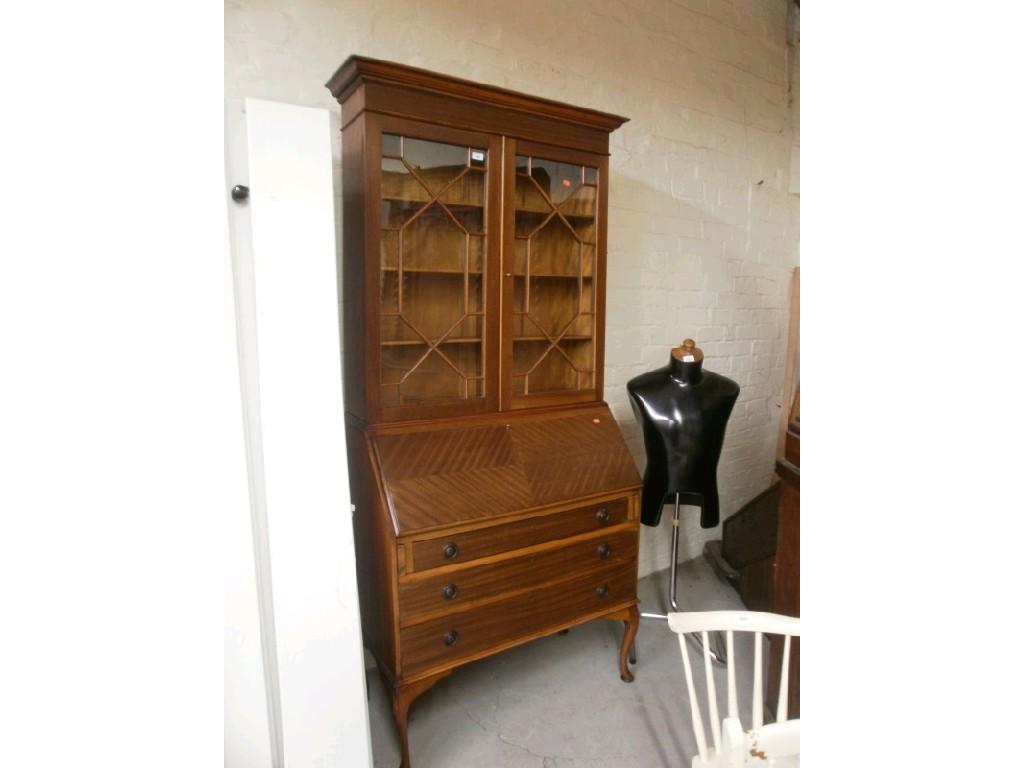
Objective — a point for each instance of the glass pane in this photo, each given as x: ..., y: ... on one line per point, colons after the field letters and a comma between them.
x: 475, y: 294
x: 397, y: 183
x: 389, y: 293
x: 519, y: 257
x: 527, y: 354
x: 554, y: 250
x: 393, y: 329
x: 588, y: 257
x: 434, y: 241
x: 396, y: 213
x: 518, y: 304
x: 432, y: 303
x: 467, y: 189
x: 427, y: 155
x: 582, y: 202
x: 476, y: 254
x: 389, y: 250
x: 554, y: 304
x: 529, y: 198
x: 554, y: 373
x: 465, y: 356
x: 470, y: 328
x: 471, y: 219
x: 557, y: 180
x: 396, y: 360
x: 391, y: 145
x: 432, y: 379
x: 554, y: 261
x: 433, y: 246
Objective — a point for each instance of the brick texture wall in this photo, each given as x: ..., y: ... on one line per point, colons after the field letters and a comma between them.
x: 704, y: 204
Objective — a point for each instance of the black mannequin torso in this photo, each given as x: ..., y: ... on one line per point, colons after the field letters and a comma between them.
x: 683, y: 411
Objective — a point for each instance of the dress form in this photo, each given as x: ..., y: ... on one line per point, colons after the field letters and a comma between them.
x: 683, y: 410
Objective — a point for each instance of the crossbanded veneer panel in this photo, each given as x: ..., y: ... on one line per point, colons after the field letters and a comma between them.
x: 453, y: 475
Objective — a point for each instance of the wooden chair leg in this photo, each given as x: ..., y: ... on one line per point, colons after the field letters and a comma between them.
x: 402, y: 697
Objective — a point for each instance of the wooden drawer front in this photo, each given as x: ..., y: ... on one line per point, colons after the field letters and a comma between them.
x: 523, y: 533
x: 490, y: 627
x: 450, y: 591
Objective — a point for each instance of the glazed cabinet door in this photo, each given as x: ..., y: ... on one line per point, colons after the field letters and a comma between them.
x: 433, y: 245
x: 553, y: 275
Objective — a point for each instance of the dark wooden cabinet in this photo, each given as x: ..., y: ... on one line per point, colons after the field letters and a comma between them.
x: 495, y: 499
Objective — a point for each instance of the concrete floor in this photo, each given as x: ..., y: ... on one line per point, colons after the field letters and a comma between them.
x: 558, y: 701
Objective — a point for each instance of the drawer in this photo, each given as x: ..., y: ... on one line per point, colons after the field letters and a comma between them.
x: 449, y: 590
x: 476, y: 632
x: 470, y: 545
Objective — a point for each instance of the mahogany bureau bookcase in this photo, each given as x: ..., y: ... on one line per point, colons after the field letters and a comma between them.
x: 495, y: 499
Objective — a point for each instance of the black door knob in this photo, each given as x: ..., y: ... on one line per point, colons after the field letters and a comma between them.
x: 602, y: 591
x: 449, y: 591
x: 602, y: 515
x: 239, y: 192
x: 603, y: 550
x: 450, y: 637
x: 450, y: 551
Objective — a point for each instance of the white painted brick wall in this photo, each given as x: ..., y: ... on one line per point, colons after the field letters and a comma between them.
x: 703, y: 219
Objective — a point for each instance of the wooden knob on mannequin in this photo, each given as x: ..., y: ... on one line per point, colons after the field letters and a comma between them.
x: 688, y: 352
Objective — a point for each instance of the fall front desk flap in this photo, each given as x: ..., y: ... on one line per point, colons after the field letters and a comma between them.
x: 442, y: 476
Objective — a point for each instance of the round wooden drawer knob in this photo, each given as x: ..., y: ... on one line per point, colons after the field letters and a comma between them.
x: 602, y: 515
x: 449, y: 591
x: 603, y: 550
x: 450, y: 637
x: 602, y: 591
x: 450, y: 551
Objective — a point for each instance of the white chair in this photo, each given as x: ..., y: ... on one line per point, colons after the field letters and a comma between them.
x: 774, y: 745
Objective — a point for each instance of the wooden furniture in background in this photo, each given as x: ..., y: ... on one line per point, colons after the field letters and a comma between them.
x: 746, y: 553
x: 760, y: 548
x: 786, y: 577
x: 776, y: 744
x: 786, y: 581
x: 790, y: 400
x: 496, y: 501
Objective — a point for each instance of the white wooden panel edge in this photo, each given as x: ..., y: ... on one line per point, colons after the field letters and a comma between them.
x: 252, y: 712
x: 739, y: 621
x: 324, y: 719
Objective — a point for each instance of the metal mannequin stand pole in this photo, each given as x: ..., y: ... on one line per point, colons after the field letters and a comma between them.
x: 717, y: 651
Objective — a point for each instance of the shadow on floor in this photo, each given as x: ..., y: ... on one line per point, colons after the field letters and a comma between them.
x: 558, y: 701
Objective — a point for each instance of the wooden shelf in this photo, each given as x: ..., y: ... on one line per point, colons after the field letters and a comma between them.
x: 541, y: 213
x: 544, y: 338
x: 554, y: 275
x: 419, y: 203
x: 414, y: 342
x: 424, y: 270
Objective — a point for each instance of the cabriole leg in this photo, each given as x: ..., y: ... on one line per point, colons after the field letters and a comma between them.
x: 402, y: 697
x: 632, y: 622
